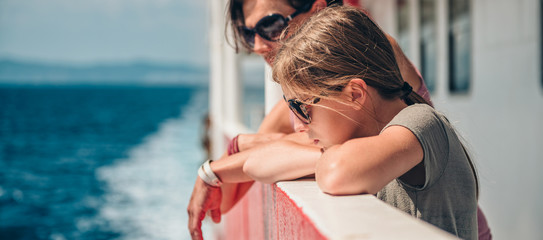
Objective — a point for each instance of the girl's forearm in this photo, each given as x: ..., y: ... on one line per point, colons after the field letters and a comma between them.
x: 281, y: 160
x: 366, y: 165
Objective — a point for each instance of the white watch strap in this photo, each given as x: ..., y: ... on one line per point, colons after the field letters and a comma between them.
x: 207, y: 175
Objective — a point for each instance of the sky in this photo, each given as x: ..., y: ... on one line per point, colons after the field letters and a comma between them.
x: 97, y: 31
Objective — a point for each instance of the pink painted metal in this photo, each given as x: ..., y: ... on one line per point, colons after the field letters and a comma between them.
x: 266, y: 212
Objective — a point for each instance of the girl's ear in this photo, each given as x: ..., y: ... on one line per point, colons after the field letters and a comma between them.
x: 356, y: 90
x: 317, y: 6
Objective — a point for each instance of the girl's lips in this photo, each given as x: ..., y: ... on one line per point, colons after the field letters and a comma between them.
x: 316, y: 141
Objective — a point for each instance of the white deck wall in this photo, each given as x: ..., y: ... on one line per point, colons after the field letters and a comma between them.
x: 502, y: 114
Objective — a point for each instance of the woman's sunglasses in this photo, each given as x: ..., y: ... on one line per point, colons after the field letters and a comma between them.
x: 300, y: 109
x: 269, y: 27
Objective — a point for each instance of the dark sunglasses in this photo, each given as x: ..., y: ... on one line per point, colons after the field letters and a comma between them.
x: 300, y: 109
x: 269, y: 27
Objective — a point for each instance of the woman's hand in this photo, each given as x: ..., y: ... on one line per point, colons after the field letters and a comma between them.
x: 204, y: 198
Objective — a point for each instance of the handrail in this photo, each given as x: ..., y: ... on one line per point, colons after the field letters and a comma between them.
x: 299, y: 210
x: 357, y: 216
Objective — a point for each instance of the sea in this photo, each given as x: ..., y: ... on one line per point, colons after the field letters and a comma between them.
x: 99, y: 162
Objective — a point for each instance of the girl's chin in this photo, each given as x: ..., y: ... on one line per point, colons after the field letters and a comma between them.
x: 322, y: 144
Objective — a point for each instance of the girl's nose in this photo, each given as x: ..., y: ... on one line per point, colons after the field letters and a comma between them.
x: 262, y: 47
x: 299, y: 126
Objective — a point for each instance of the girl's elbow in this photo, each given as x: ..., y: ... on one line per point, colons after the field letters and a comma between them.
x: 330, y: 183
x: 329, y: 176
x: 338, y: 187
x: 336, y: 183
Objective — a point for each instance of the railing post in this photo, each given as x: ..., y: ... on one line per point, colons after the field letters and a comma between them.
x: 216, y: 42
x: 232, y: 84
x: 273, y: 90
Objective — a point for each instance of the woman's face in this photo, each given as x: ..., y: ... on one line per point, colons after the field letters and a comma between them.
x: 331, y: 123
x: 254, y: 10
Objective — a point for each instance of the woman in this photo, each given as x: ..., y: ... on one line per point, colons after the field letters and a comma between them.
x: 340, y: 77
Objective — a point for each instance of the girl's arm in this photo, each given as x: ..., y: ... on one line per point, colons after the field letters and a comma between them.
x: 407, y: 69
x: 366, y: 165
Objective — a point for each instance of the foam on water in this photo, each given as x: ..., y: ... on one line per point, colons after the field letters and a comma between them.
x: 146, y: 194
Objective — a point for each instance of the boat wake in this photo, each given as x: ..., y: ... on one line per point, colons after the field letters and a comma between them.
x: 146, y: 194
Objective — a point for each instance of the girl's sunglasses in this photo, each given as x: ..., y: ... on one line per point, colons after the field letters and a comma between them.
x: 300, y: 109
x: 269, y: 27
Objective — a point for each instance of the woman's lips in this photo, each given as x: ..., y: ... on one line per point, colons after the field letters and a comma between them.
x: 316, y: 141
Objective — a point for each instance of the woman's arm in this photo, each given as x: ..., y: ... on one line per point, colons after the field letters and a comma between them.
x: 275, y: 125
x: 366, y: 165
x: 289, y: 158
x: 297, y: 162
x: 407, y: 69
x: 230, y: 169
x: 277, y: 121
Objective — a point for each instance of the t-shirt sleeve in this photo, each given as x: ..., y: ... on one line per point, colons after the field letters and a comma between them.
x: 428, y: 127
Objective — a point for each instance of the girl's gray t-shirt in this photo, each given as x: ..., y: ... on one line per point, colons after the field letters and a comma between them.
x: 448, y: 198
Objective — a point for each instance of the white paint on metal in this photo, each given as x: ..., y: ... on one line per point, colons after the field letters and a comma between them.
x: 273, y: 91
x: 216, y: 40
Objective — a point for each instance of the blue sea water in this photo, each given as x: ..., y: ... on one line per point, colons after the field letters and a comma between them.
x: 98, y: 162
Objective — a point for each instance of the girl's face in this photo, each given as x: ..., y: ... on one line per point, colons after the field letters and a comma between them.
x: 331, y: 122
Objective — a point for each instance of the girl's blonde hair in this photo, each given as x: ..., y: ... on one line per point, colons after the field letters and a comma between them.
x: 334, y: 46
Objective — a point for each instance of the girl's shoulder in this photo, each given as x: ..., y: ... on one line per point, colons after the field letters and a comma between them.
x: 420, y: 119
x: 418, y: 109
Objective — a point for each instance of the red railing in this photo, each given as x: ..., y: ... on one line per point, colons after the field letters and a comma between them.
x: 267, y: 212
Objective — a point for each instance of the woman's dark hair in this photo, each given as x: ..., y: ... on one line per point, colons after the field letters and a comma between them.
x: 235, y: 19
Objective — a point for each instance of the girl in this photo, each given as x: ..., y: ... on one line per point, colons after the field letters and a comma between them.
x: 340, y: 77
